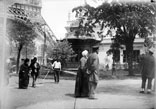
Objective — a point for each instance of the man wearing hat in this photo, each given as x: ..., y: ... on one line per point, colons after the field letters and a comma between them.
x: 93, y: 70
x: 147, y: 70
x: 35, y: 70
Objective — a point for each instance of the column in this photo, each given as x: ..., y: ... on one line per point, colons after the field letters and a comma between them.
x: 3, y: 73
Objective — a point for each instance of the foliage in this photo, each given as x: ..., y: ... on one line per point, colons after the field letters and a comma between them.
x: 128, y: 19
x: 114, y: 50
x: 125, y: 17
x: 148, y: 43
x: 62, y: 50
x: 21, y: 33
x: 29, y: 50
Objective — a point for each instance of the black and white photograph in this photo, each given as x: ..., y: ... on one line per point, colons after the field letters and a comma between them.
x: 77, y: 54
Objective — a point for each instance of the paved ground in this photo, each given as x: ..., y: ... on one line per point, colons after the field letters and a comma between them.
x: 121, y: 94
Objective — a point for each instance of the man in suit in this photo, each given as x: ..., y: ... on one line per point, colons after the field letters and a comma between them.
x: 147, y: 70
x: 93, y: 70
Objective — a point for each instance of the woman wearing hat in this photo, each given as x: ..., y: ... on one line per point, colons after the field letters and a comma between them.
x: 23, y: 75
x: 81, y: 86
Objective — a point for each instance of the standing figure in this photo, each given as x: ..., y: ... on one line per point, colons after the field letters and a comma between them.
x: 35, y: 70
x: 147, y: 70
x: 81, y: 85
x: 93, y: 71
x: 24, y: 75
x: 57, y: 68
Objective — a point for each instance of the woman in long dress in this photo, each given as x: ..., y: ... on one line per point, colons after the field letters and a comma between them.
x: 81, y: 85
x: 24, y: 75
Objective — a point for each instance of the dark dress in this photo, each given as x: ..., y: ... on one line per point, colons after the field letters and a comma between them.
x: 23, y: 76
x: 81, y: 85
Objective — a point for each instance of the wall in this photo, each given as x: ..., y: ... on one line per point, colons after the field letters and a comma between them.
x: 104, y: 59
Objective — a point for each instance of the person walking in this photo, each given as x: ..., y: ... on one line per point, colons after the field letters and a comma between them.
x: 35, y: 70
x: 147, y: 70
x: 57, y: 68
x: 93, y: 71
x: 24, y: 75
x: 81, y: 84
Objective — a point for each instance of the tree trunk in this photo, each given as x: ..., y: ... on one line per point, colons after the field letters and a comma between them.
x: 18, y: 59
x: 26, y: 52
x: 129, y: 51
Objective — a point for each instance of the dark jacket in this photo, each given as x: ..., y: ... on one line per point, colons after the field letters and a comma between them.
x: 35, y: 68
x: 147, y: 66
x: 24, y: 71
x: 23, y: 76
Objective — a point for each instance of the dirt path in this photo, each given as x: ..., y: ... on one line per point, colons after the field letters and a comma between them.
x: 48, y: 95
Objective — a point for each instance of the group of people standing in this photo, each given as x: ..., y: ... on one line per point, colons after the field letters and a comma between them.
x: 87, y: 75
x: 25, y: 70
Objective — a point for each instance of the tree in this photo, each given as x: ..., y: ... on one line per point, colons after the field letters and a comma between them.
x: 127, y: 19
x: 21, y: 33
x: 29, y: 50
x: 62, y: 50
x: 114, y: 50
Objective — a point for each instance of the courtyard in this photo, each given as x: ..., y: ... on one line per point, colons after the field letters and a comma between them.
x: 112, y: 93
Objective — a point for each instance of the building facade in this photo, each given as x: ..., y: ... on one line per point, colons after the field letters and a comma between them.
x: 106, y: 60
x: 79, y: 43
x: 31, y: 10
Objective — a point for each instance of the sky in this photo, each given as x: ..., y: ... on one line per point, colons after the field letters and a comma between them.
x: 55, y: 13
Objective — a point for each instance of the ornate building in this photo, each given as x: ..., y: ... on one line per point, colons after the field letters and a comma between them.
x: 84, y: 43
x: 30, y: 10
x: 79, y: 43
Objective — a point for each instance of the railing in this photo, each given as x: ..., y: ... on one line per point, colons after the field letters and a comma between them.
x: 72, y: 65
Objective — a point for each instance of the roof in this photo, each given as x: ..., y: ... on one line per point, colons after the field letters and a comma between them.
x: 109, y: 41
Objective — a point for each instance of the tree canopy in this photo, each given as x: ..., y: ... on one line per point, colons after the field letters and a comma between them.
x: 29, y: 50
x: 127, y: 19
x: 62, y: 50
x: 21, y: 33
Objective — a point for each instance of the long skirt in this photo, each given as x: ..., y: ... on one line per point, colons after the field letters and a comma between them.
x: 81, y: 85
x: 23, y: 81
